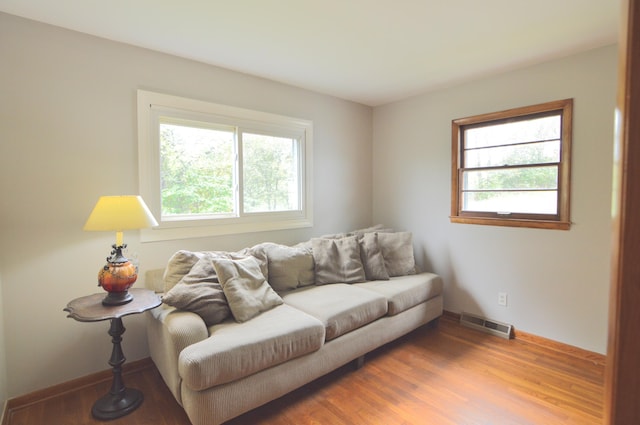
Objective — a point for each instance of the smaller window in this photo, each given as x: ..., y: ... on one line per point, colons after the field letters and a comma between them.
x: 512, y: 168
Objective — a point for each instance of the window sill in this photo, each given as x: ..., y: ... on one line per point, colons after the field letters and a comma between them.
x: 172, y: 233
x: 534, y: 224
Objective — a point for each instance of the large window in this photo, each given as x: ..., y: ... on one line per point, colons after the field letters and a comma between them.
x: 512, y: 168
x: 208, y: 169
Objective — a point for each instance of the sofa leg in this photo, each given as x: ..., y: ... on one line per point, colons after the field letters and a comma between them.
x: 359, y: 362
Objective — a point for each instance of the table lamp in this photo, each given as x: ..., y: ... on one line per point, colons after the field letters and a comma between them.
x: 119, y: 213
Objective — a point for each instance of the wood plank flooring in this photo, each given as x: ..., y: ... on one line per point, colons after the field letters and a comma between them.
x: 443, y: 375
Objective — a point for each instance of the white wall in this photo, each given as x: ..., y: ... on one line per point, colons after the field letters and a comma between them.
x: 68, y: 135
x: 557, y: 281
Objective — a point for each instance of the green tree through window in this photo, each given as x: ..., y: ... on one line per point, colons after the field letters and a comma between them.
x: 196, y: 170
x: 270, y: 173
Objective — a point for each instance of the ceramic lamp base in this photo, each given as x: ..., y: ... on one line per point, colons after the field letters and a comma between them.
x: 116, y: 277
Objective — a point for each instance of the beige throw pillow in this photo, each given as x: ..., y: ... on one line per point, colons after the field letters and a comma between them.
x: 337, y: 260
x: 358, y: 232
x: 248, y: 292
x: 372, y: 259
x: 397, y: 250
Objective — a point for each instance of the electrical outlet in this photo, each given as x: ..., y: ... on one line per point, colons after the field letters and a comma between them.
x: 502, y: 299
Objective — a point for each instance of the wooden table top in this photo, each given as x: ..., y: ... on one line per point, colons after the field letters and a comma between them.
x: 91, y: 309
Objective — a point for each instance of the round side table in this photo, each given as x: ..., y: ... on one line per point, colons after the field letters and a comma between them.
x: 120, y: 400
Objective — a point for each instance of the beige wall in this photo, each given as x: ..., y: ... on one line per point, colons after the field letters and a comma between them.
x: 3, y: 363
x: 557, y: 281
x: 68, y: 135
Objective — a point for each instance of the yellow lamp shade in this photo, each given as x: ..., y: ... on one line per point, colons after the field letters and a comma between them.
x: 118, y: 213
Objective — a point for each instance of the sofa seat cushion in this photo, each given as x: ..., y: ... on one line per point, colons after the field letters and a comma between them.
x: 404, y: 292
x: 235, y: 350
x: 340, y: 307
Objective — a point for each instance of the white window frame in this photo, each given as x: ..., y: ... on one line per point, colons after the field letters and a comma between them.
x: 151, y: 106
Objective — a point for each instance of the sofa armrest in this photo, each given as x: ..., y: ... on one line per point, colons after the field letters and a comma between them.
x: 154, y: 280
x: 169, y: 331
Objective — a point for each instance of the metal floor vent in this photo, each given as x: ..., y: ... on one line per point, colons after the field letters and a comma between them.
x: 486, y: 325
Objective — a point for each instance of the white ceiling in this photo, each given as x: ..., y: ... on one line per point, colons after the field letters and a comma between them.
x: 368, y: 51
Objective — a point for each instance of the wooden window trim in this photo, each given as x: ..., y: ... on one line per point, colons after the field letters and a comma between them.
x: 562, y: 220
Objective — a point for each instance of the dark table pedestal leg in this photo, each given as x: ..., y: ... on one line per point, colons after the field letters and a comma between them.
x: 119, y: 401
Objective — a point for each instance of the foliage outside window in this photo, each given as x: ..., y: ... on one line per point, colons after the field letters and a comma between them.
x: 512, y: 168
x: 208, y: 169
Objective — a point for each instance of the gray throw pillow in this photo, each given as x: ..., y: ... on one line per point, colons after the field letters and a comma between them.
x: 178, y: 266
x: 397, y: 250
x: 289, y: 267
x: 337, y: 260
x: 201, y: 272
x: 200, y: 293
x: 372, y: 259
x: 248, y: 292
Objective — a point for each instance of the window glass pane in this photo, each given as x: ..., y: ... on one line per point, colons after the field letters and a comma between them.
x: 532, y: 153
x: 196, y: 170
x: 536, y: 129
x: 537, y: 202
x: 545, y: 177
x: 270, y: 172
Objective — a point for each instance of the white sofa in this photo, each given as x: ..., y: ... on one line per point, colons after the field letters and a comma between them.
x: 218, y: 370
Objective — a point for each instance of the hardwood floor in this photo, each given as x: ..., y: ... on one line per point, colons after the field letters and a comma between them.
x: 444, y: 375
